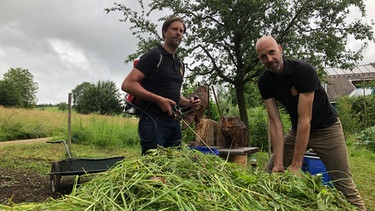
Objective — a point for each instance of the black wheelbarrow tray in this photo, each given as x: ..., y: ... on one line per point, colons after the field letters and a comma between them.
x: 78, y: 166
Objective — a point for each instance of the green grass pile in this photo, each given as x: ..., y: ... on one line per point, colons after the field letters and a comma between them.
x: 171, y: 179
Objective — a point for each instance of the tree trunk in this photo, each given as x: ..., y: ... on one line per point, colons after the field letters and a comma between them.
x: 242, y: 103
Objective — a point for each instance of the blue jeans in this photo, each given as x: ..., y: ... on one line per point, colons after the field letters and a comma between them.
x: 157, y: 132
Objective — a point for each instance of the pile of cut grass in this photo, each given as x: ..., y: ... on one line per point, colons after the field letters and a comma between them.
x: 170, y: 179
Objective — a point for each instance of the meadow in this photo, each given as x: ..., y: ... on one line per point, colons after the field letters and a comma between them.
x: 103, y: 136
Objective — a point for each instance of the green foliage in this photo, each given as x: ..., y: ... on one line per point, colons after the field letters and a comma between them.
x: 356, y: 113
x: 366, y: 138
x: 222, y: 98
x: 185, y: 179
x: 221, y: 35
x: 348, y: 118
x: 102, y: 98
x: 187, y: 133
x: 259, y: 126
x: 105, y: 133
x: 368, y: 84
x: 63, y: 106
x: 213, y: 112
x: 8, y: 97
x: 365, y: 109
x: 78, y: 92
x: 37, y: 157
x: 252, y: 95
x: 18, y: 89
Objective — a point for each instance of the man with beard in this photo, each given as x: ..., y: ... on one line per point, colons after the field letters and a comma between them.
x: 156, y: 80
x: 315, y: 123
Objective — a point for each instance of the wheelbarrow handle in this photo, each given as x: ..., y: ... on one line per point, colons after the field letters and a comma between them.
x: 64, y: 142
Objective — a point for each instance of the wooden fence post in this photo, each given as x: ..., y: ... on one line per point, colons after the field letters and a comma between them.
x: 69, y: 119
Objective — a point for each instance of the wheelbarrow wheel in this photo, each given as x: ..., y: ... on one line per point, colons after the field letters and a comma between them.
x: 55, y: 178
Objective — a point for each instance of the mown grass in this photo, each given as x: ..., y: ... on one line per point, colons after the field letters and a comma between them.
x: 363, y: 170
x: 103, y: 136
x: 195, y: 181
x: 37, y: 157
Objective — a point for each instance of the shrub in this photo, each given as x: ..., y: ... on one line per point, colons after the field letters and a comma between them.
x: 356, y: 113
x: 366, y: 138
x: 258, y: 123
x: 349, y: 118
x: 258, y: 130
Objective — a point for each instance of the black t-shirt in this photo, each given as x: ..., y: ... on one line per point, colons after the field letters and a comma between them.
x: 298, y: 77
x: 164, y: 80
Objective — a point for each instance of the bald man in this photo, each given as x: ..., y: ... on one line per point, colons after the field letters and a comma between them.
x: 315, y: 122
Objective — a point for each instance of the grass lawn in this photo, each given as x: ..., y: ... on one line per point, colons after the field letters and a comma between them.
x: 363, y: 170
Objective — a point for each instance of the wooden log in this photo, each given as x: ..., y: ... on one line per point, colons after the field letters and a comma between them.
x: 209, y: 131
x: 230, y: 132
x: 235, y: 132
x: 240, y: 159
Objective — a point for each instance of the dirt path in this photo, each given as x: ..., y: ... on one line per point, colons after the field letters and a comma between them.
x: 26, y: 141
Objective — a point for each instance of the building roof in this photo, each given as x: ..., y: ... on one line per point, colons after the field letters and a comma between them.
x: 340, y: 82
x: 361, y: 70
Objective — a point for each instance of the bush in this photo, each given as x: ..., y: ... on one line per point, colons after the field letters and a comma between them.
x: 258, y: 123
x: 356, y: 113
x: 366, y: 138
x: 349, y: 119
x: 258, y: 127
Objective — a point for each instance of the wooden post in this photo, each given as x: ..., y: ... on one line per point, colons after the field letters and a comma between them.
x: 217, y: 103
x: 69, y: 119
x: 240, y: 159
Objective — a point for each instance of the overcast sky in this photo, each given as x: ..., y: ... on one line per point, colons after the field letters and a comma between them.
x: 64, y: 43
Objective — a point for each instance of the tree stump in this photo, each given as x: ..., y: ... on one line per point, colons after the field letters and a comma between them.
x: 229, y: 135
x: 235, y: 132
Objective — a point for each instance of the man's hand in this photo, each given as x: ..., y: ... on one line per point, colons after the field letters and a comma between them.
x: 166, y: 105
x: 195, y: 103
x: 294, y: 170
x: 276, y: 169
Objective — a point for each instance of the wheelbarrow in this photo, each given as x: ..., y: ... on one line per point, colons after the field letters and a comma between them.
x: 78, y: 166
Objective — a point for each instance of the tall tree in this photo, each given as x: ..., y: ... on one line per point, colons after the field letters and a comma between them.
x: 18, y: 89
x: 221, y: 35
x: 78, y: 92
x: 102, y: 98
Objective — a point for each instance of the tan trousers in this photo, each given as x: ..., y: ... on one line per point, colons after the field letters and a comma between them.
x: 329, y: 144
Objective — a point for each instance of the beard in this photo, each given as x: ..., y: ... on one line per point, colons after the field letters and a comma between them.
x: 276, y: 65
x: 174, y: 43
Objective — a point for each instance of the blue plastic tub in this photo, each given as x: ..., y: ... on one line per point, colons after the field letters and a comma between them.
x: 314, y: 165
x: 206, y: 150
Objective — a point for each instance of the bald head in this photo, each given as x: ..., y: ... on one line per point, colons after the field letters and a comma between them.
x: 265, y: 41
x: 270, y: 53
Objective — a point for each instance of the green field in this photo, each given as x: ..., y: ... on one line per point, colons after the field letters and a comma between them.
x: 103, y: 136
